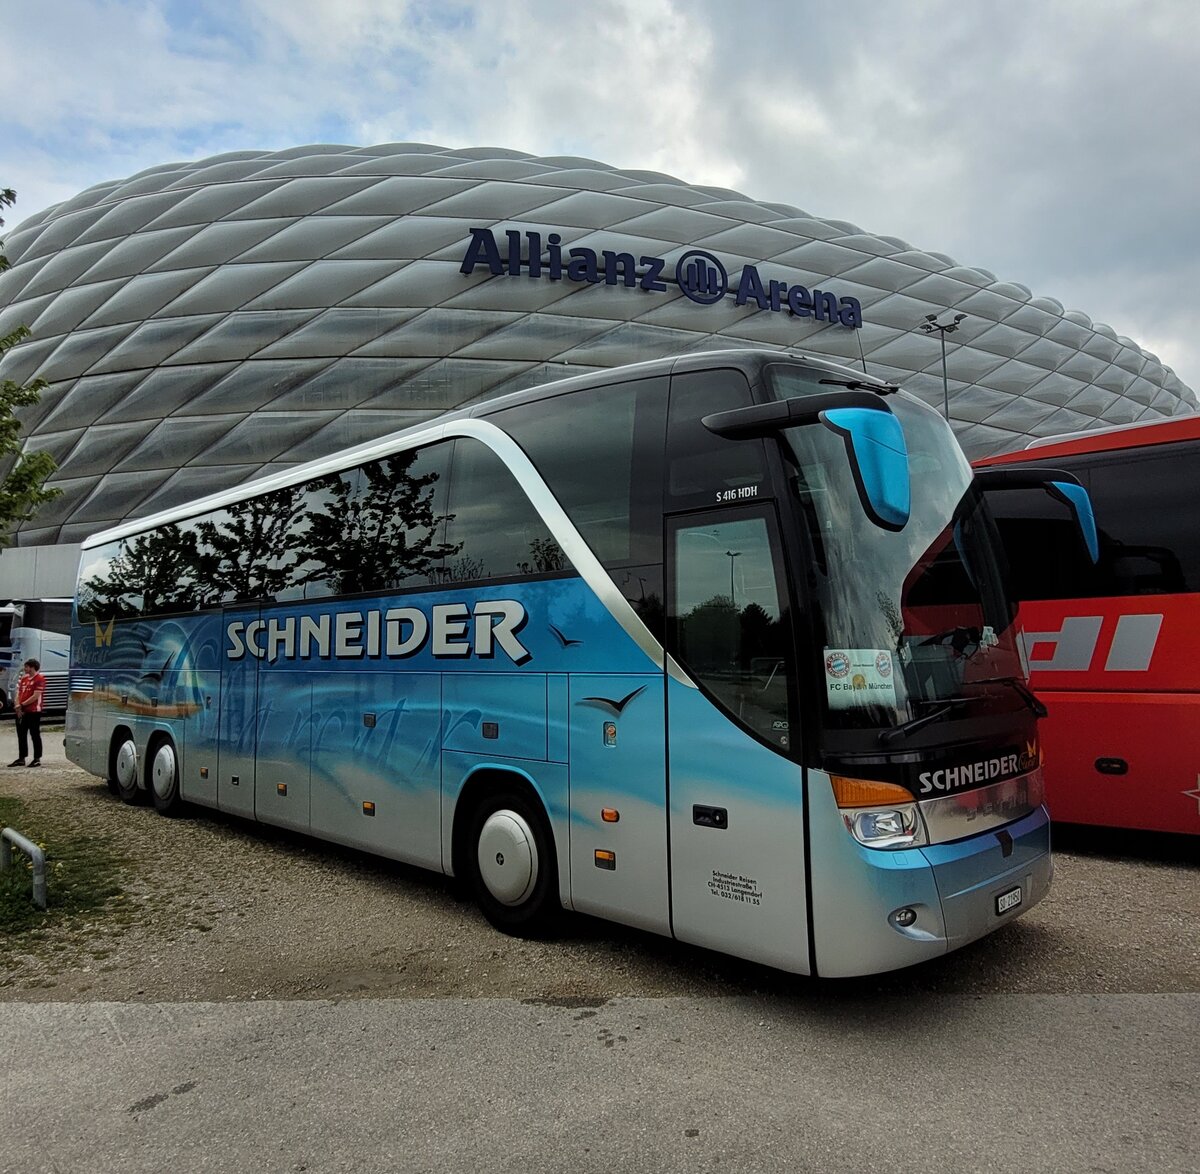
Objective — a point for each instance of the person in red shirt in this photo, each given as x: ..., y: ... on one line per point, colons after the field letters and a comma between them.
x: 31, y: 694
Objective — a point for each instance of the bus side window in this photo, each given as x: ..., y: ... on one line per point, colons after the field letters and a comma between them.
x: 372, y: 529
x: 1046, y: 557
x: 493, y: 530
x: 704, y: 469
x: 608, y: 477
x: 1143, y: 505
x: 1145, y: 512
x: 322, y: 539
x: 108, y: 586
x: 239, y: 548
x: 400, y: 513
x: 727, y: 621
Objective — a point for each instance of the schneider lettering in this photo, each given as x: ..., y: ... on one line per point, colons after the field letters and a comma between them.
x: 523, y: 253
x: 451, y: 630
x: 955, y: 778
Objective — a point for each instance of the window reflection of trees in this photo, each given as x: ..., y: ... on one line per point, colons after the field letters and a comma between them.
x: 374, y: 532
x: 740, y: 654
x: 544, y: 555
x: 380, y: 527
x: 244, y: 549
x: 150, y: 573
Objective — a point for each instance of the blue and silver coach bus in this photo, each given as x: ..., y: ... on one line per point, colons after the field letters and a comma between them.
x: 715, y: 646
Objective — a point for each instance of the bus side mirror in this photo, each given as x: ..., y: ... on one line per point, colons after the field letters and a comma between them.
x: 1059, y: 484
x: 874, y: 441
x: 878, y: 459
x: 1079, y: 503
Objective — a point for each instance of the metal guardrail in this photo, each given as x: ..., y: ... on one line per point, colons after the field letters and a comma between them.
x: 10, y: 837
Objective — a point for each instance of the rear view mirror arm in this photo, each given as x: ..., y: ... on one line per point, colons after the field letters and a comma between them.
x: 769, y: 418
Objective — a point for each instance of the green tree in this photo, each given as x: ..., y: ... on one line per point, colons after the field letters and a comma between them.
x: 23, y: 488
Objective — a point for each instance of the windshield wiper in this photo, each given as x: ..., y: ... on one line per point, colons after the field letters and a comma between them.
x: 959, y: 639
x: 862, y: 385
x: 1022, y: 690
x: 887, y: 737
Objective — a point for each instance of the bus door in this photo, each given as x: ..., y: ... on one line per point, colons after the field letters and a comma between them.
x: 237, y: 735
x: 736, y: 807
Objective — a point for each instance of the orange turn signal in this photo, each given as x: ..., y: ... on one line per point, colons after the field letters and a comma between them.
x: 610, y: 815
x: 867, y: 793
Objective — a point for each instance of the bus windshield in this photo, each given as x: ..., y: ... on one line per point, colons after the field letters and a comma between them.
x: 912, y: 622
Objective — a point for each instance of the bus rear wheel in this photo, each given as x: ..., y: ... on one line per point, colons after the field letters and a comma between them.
x: 512, y: 866
x: 164, y: 779
x: 123, y: 777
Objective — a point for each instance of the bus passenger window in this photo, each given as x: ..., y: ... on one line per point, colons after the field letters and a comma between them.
x: 240, y: 548
x: 322, y: 539
x: 704, y: 469
x: 493, y: 532
x: 729, y: 627
x: 608, y: 477
x: 108, y: 583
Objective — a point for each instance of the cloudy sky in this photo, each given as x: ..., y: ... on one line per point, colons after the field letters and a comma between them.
x: 1054, y: 143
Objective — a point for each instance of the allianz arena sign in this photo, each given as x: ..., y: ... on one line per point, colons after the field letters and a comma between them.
x: 699, y: 275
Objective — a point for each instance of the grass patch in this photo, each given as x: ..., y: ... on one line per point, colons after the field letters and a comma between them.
x: 82, y: 872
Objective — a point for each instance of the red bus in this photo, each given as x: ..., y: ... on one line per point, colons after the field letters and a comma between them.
x: 1114, y: 645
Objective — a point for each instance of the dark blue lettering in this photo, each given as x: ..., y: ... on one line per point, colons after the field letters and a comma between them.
x: 524, y: 254
x: 825, y: 307
x: 627, y: 264
x: 751, y: 286
x: 514, y: 253
x: 482, y: 242
x: 650, y: 281
x: 582, y: 266
x: 535, y: 253
x: 799, y: 301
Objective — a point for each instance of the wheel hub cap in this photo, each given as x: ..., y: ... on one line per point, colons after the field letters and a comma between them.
x: 127, y: 764
x: 163, y: 772
x: 508, y: 860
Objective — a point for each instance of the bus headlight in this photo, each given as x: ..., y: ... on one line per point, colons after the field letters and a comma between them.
x: 897, y: 827
x: 879, y: 815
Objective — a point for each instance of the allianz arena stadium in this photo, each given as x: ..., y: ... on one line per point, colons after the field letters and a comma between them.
x: 203, y: 323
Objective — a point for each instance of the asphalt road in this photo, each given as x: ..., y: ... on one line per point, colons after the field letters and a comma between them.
x: 1003, y: 1083
x: 399, y: 1032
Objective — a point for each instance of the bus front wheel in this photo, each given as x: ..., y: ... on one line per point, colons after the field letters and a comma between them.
x: 513, y: 869
x: 124, y: 772
x: 164, y: 779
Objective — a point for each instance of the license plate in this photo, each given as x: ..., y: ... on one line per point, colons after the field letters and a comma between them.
x: 1009, y: 900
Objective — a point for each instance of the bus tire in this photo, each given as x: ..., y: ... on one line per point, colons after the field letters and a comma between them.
x: 164, y: 779
x: 123, y: 772
x: 511, y: 864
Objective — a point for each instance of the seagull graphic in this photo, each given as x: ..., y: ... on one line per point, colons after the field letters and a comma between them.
x: 616, y: 706
x: 563, y: 640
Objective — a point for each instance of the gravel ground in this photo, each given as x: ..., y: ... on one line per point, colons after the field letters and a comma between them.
x: 215, y: 908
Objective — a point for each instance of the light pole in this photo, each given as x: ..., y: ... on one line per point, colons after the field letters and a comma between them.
x: 732, y: 555
x: 931, y: 324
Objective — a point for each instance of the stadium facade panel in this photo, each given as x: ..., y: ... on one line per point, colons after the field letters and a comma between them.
x: 202, y: 323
